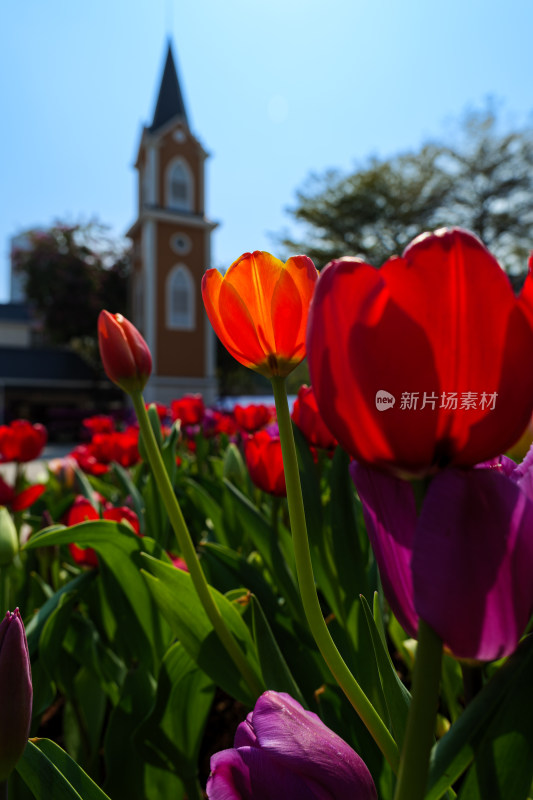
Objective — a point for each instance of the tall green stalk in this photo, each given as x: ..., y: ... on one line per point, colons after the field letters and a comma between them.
x: 304, y: 568
x: 413, y: 774
x: 187, y: 549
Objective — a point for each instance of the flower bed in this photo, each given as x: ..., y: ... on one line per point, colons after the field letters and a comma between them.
x: 237, y: 604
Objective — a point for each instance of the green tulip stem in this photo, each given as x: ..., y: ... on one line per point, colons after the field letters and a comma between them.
x: 304, y: 569
x: 412, y: 777
x: 186, y: 546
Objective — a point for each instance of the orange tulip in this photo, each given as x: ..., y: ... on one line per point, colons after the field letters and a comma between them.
x: 259, y: 310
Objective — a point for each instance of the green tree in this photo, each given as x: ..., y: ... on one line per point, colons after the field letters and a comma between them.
x: 492, y: 186
x: 483, y: 182
x: 71, y: 272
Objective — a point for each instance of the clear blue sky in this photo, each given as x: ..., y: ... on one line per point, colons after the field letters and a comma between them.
x: 274, y: 90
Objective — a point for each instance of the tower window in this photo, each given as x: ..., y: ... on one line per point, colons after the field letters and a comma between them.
x: 180, y: 298
x: 179, y: 186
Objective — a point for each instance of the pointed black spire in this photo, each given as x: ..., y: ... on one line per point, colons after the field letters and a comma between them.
x: 170, y: 101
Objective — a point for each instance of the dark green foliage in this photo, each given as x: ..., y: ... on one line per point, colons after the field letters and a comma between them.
x: 70, y: 273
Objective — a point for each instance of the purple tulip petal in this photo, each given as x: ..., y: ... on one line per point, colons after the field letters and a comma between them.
x: 16, y: 692
x: 473, y: 561
x: 230, y: 777
x: 390, y: 515
x: 303, y: 744
x: 245, y: 734
x: 523, y: 474
x: 271, y: 780
x: 282, y: 750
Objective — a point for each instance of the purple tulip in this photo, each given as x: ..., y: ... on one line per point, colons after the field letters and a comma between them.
x: 16, y: 692
x: 282, y: 750
x: 464, y: 564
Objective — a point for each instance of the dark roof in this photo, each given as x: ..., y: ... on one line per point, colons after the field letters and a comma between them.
x: 14, y: 312
x: 43, y: 363
x: 170, y: 101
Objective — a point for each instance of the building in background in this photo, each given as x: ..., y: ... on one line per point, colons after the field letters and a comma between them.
x: 171, y: 250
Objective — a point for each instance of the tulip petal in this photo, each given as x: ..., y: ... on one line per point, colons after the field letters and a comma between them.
x: 81, y: 511
x: 28, y: 496
x: 245, y: 734
x: 473, y: 561
x: 231, y: 319
x: 357, y: 342
x: 290, y: 306
x: 229, y: 778
x: 302, y: 744
x: 449, y: 270
x: 271, y: 778
x: 390, y: 516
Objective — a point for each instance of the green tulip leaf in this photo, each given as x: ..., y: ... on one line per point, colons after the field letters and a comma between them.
x: 35, y: 626
x: 179, y: 603
x: 276, y: 673
x: 276, y: 551
x: 130, y: 490
x: 50, y: 773
x: 495, y: 714
x: 131, y: 615
x: 395, y: 695
x: 171, y: 736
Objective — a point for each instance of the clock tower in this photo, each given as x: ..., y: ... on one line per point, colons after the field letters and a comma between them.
x: 171, y: 250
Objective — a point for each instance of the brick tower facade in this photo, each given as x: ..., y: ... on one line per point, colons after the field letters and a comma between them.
x: 171, y: 250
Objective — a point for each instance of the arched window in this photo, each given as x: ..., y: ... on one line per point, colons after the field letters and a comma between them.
x: 180, y: 298
x: 179, y: 186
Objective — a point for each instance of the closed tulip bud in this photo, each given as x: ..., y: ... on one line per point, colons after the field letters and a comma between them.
x: 16, y: 692
x: 9, y: 543
x: 125, y: 354
x: 282, y: 750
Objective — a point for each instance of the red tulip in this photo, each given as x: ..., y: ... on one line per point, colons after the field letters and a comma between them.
x: 259, y: 310
x: 82, y: 511
x: 120, y: 446
x: 422, y: 364
x: 217, y: 422
x: 100, y: 423
x: 83, y: 456
x: 252, y: 417
x: 125, y: 355
x: 21, y: 441
x: 19, y: 501
x: 189, y: 409
x: 265, y: 463
x: 306, y: 416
